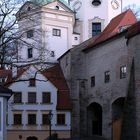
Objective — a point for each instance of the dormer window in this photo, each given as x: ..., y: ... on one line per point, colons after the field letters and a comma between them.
x: 57, y: 7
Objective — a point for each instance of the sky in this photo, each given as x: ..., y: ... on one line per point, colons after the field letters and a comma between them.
x: 129, y: 2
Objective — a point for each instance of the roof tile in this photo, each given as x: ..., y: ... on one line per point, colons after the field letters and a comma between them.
x: 125, y: 19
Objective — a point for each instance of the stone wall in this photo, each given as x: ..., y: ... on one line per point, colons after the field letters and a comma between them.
x: 109, y: 56
x: 134, y: 47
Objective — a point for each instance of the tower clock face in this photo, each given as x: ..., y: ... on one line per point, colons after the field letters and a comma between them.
x: 76, y: 4
x: 115, y: 4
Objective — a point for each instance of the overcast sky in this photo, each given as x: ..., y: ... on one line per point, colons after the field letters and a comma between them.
x: 128, y: 2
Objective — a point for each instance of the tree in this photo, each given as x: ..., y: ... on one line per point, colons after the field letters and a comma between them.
x: 8, y: 32
x: 12, y: 39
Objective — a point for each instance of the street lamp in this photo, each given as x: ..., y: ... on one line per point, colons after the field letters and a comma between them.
x: 50, y: 115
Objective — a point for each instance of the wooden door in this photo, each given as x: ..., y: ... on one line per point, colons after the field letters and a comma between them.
x: 117, y: 126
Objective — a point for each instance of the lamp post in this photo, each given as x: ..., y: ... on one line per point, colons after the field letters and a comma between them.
x: 50, y: 115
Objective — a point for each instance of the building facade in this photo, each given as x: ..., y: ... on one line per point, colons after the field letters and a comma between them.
x: 51, y: 30
x: 99, y: 75
x: 43, y: 24
x: 32, y: 101
x: 94, y: 15
x: 42, y: 28
x: 5, y: 94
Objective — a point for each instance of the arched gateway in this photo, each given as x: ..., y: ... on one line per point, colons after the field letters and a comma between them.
x: 94, y: 119
x: 117, y: 116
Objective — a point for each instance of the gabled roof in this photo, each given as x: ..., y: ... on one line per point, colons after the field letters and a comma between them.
x: 133, y: 30
x: 24, y: 5
x: 116, y: 26
x: 6, y: 74
x: 5, y: 92
x: 55, y: 76
x: 61, y: 4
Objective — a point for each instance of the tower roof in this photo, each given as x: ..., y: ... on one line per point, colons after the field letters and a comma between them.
x: 44, y: 2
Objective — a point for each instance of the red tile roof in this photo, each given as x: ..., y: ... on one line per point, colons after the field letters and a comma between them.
x: 56, y: 77
x: 121, y: 21
x: 63, y: 100
x: 133, y: 30
x: 6, y: 74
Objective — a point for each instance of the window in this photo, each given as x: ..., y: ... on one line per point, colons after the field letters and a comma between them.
x: 31, y: 97
x: 60, y: 119
x: 122, y: 72
x: 46, y: 97
x: 75, y: 38
x: 30, y: 52
x: 52, y: 54
x: 96, y: 28
x: 57, y: 7
x: 45, y: 119
x: 30, y: 33
x: 31, y: 119
x: 92, y: 81
x: 56, y: 32
x: 32, y: 82
x: 17, y: 119
x: 17, y: 97
x: 107, y: 76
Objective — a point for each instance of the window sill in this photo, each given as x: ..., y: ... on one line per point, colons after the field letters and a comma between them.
x: 61, y: 125
x: 18, y: 103
x: 32, y: 125
x: 31, y: 103
x: 17, y: 124
x: 46, y: 103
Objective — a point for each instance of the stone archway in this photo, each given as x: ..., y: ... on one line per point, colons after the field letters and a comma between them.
x: 32, y: 138
x: 94, y: 119
x: 117, y: 116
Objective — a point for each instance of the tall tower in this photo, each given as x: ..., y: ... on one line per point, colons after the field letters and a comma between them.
x: 47, y: 27
x: 94, y: 15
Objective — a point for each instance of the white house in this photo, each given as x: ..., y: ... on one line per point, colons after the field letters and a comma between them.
x: 5, y: 94
x: 33, y: 99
